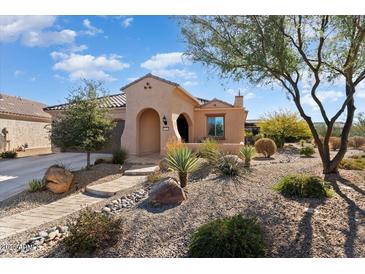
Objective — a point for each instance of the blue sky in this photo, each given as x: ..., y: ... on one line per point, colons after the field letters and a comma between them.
x: 43, y: 57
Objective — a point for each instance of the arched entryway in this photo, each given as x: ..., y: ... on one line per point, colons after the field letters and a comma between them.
x: 183, y: 128
x: 149, y: 132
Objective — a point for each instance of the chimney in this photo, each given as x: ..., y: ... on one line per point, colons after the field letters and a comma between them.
x: 238, y: 101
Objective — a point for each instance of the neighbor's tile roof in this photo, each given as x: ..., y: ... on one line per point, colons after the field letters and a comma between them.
x: 110, y: 101
x: 14, y: 105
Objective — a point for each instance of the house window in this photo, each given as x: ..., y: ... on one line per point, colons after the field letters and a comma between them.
x: 216, y: 126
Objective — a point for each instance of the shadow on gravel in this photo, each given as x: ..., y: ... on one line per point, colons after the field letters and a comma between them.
x: 353, y: 210
x: 154, y: 209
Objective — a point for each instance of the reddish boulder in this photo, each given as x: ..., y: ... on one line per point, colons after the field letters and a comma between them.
x: 166, y: 192
x: 57, y: 179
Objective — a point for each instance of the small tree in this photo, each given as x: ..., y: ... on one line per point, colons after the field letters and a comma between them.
x: 283, y: 126
x: 84, y: 125
x: 359, y: 126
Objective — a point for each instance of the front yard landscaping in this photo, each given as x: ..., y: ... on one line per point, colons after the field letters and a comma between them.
x: 291, y: 226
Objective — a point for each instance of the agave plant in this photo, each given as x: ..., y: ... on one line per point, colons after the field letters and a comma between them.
x: 247, y: 152
x: 183, y: 161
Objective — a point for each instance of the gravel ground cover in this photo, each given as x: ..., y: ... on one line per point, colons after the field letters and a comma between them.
x: 293, y: 227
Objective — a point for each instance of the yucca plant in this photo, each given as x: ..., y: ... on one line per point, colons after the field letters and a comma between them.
x: 247, y: 152
x: 183, y: 161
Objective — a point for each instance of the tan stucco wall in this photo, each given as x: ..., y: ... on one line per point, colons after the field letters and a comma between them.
x: 35, y: 134
x: 234, y: 119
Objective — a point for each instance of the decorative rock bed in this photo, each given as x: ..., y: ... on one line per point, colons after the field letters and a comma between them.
x: 124, y: 202
x: 44, y: 237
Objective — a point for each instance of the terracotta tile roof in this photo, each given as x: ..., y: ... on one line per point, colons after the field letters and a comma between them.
x: 110, y: 101
x: 14, y: 105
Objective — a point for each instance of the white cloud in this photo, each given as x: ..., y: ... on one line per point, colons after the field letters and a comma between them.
x: 131, y: 79
x: 127, y: 22
x: 165, y: 65
x: 90, y: 29
x: 44, y: 39
x: 88, y: 66
x: 247, y: 95
x: 163, y: 60
x: 360, y: 91
x: 329, y: 95
x: 13, y: 27
x: 18, y: 73
x: 190, y: 83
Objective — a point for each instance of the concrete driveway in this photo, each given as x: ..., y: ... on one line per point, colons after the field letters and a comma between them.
x: 15, y: 174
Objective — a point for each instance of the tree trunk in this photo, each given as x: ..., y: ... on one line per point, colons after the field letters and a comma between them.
x: 87, y: 159
x: 183, y: 178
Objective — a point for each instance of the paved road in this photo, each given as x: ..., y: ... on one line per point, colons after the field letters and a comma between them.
x: 15, y: 174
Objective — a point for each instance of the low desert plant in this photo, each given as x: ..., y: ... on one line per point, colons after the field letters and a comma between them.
x: 352, y: 164
x: 247, y: 152
x: 173, y: 144
x: 36, y: 185
x: 228, y: 165
x: 234, y: 237
x: 183, y: 161
x: 209, y: 150
x: 356, y: 142
x: 303, y: 186
x: 91, y: 231
x: 9, y: 154
x: 307, y: 150
x: 119, y: 156
x: 265, y: 146
x: 335, y: 143
x: 154, y: 177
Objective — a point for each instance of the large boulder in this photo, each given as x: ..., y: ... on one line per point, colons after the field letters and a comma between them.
x: 57, y: 179
x: 166, y: 192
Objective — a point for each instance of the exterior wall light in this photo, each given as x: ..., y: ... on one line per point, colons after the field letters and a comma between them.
x: 164, y: 120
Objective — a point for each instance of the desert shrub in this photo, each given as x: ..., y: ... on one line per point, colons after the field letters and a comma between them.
x: 36, y: 185
x: 91, y: 231
x: 356, y: 142
x: 9, y: 154
x: 307, y: 150
x: 173, y: 144
x: 265, y: 146
x: 303, y: 186
x: 315, y: 143
x: 335, y: 143
x: 209, y: 150
x: 119, y: 156
x: 234, y: 237
x: 183, y: 161
x: 247, y: 152
x: 352, y: 164
x: 284, y: 126
x: 154, y: 177
x: 229, y: 165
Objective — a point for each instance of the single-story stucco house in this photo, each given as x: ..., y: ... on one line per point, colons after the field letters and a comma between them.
x: 151, y: 110
x: 24, y: 125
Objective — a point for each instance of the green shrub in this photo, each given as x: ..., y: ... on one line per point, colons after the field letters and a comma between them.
x: 9, y: 154
x: 234, y: 237
x: 36, y: 185
x: 352, y: 164
x: 303, y: 186
x: 119, y: 156
x: 91, y: 231
x: 266, y: 146
x: 209, y: 150
x: 247, y: 152
x: 183, y: 161
x: 307, y: 151
x: 229, y: 165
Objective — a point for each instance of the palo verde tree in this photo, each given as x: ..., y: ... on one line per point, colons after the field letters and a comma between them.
x: 288, y: 51
x: 85, y: 125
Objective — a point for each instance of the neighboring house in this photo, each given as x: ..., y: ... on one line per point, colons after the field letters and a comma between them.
x: 151, y: 110
x: 24, y: 124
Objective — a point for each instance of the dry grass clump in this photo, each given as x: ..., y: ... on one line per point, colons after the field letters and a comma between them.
x: 265, y: 146
x: 173, y: 144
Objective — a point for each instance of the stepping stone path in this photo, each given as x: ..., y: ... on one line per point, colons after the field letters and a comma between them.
x: 132, y: 181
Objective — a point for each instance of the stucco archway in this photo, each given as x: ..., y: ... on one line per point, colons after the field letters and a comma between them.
x: 184, y: 127
x: 148, y: 132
